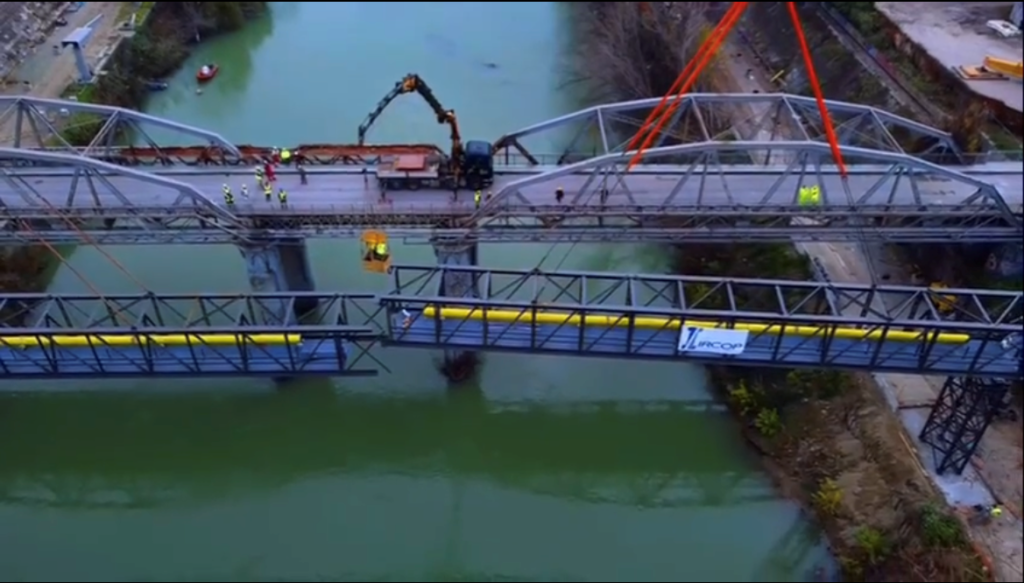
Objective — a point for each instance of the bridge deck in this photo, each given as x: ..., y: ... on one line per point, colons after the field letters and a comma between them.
x: 653, y: 203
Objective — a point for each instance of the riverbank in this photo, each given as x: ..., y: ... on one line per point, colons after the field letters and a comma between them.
x: 160, y: 46
x: 828, y: 438
x: 161, y: 42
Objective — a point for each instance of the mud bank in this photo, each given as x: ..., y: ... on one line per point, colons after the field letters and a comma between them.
x: 828, y: 438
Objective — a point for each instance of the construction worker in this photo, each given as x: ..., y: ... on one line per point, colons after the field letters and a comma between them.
x: 809, y: 196
x: 286, y: 156
x: 559, y: 195
x: 268, y: 190
x: 380, y: 251
x: 282, y: 196
x: 229, y: 198
x: 996, y: 511
x: 259, y: 175
x: 476, y: 198
x: 244, y: 191
x: 302, y: 173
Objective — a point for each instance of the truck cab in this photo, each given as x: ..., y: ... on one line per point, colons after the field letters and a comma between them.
x: 478, y: 164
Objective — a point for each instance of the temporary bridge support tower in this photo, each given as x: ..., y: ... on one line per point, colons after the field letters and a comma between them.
x: 959, y: 418
x: 458, y: 363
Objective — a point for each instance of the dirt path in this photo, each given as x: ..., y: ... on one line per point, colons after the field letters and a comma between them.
x: 45, y: 74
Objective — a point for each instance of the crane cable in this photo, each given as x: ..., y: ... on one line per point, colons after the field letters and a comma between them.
x: 655, y: 114
x: 26, y: 226
x: 89, y: 240
x: 703, y: 59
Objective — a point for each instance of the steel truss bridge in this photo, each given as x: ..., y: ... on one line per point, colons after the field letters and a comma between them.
x: 708, y: 188
x: 790, y: 324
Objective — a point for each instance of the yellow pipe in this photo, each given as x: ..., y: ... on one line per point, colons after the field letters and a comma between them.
x: 565, y: 318
x: 120, y: 340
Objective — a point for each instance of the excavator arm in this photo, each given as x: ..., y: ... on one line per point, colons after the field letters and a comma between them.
x: 413, y: 83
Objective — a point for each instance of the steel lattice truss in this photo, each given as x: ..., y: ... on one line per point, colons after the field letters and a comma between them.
x: 822, y: 310
x: 350, y: 319
x: 38, y: 125
x: 704, y: 190
x: 742, y: 182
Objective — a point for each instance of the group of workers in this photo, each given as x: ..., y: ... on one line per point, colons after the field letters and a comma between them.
x: 265, y: 178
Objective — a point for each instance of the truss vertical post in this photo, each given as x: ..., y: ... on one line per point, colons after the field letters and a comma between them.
x: 959, y: 418
x: 458, y: 364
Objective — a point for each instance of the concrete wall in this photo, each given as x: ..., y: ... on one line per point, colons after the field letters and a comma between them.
x: 23, y: 25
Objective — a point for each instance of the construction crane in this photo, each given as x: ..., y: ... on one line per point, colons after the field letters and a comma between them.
x: 469, y: 165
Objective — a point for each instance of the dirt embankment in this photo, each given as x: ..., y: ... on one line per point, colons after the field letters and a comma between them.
x: 829, y: 438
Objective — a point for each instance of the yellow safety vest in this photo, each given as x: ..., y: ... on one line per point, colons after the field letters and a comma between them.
x: 809, y: 195
x: 282, y: 195
x: 382, y: 249
x: 476, y: 196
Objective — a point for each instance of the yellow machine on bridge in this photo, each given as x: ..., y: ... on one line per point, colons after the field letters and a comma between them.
x: 376, y: 252
x: 994, y: 68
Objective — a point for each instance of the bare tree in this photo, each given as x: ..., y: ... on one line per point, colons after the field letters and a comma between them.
x: 630, y: 50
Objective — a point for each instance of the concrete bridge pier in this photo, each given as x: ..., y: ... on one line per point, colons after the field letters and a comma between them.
x: 279, y: 265
x: 459, y: 365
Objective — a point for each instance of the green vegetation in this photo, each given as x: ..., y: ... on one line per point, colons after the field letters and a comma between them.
x: 874, y: 27
x: 831, y: 437
x: 827, y: 431
x: 158, y: 48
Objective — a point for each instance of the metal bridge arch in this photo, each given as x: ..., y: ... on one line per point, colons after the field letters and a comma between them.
x: 877, y: 178
x: 764, y: 116
x: 35, y: 121
x: 94, y: 187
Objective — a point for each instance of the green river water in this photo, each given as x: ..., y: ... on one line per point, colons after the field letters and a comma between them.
x: 551, y: 469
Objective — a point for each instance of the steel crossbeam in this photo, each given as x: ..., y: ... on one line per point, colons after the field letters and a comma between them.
x: 790, y: 324
x: 55, y: 336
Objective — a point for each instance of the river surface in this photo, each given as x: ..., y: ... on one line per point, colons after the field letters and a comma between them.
x: 551, y: 469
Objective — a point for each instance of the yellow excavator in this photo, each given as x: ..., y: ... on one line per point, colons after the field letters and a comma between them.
x: 469, y: 165
x: 994, y: 68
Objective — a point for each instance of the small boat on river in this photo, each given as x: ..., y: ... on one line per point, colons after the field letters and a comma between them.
x: 207, y: 73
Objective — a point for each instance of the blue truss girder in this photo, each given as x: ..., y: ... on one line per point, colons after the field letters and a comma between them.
x: 825, y: 314
x: 335, y: 338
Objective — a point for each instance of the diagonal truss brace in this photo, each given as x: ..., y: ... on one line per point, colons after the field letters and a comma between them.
x: 37, y: 123
x: 18, y: 195
x: 701, y: 116
x: 893, y: 180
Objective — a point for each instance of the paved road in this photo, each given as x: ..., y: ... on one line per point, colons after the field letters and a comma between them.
x: 348, y: 192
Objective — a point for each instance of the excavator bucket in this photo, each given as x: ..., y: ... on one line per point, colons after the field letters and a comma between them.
x: 376, y: 252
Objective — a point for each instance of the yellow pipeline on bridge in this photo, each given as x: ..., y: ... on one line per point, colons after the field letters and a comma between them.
x: 655, y: 323
x: 168, y: 340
